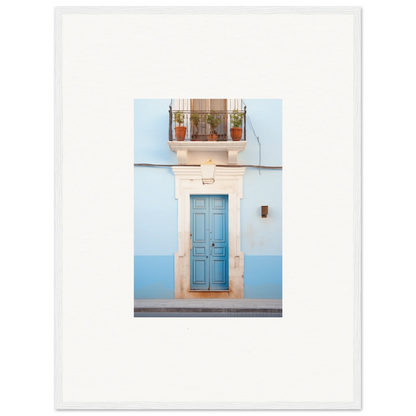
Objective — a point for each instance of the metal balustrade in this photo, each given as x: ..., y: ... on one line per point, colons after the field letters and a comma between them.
x: 198, y: 127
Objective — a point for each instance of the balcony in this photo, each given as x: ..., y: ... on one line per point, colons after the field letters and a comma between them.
x: 207, y: 125
x: 198, y: 135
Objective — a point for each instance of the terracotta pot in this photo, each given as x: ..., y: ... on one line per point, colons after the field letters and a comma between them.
x: 236, y: 133
x: 180, y: 133
x: 212, y: 137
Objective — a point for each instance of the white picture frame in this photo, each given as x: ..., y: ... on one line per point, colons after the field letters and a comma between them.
x: 93, y: 336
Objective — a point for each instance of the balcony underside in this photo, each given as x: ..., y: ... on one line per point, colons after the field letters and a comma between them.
x: 198, y: 152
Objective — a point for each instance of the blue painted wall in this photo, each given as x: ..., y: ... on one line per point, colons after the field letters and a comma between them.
x: 266, y: 119
x: 261, y: 238
x: 263, y: 277
x: 154, y: 277
x: 151, y: 132
x: 156, y: 213
x: 155, y: 206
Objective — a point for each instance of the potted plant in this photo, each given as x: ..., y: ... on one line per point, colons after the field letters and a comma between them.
x: 180, y: 131
x: 236, y: 122
x: 195, y: 118
x: 214, y: 121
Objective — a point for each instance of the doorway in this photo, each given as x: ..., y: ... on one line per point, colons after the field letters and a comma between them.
x: 203, y: 107
x: 209, y: 243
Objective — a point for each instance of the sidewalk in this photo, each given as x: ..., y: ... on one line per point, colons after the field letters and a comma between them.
x: 208, y: 307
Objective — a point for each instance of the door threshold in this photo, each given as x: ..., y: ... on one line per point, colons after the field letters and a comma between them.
x: 209, y: 291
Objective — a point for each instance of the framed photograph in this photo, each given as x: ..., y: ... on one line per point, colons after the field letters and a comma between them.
x: 208, y: 208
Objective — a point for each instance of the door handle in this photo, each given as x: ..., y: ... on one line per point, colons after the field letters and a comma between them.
x: 213, y: 245
x: 190, y: 243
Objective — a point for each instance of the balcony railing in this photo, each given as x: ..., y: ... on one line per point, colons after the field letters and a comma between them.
x: 206, y: 125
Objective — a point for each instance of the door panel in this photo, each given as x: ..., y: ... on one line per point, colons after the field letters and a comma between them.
x: 209, y: 254
x: 199, y: 227
x: 219, y: 243
x: 200, y: 243
x: 200, y: 275
x: 218, y: 227
x: 199, y: 202
x: 218, y: 203
x: 218, y: 271
x: 199, y: 251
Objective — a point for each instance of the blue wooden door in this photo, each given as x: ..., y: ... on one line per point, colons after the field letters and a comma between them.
x: 209, y: 235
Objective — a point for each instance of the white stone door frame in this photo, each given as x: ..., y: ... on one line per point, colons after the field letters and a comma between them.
x: 228, y: 181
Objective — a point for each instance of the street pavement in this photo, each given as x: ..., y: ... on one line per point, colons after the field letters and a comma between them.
x: 208, y: 308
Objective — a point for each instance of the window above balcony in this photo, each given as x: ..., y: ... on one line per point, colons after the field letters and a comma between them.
x: 198, y: 127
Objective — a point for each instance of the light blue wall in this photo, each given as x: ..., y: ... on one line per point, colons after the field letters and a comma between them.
x: 156, y: 211
x: 261, y: 238
x: 266, y: 119
x: 154, y: 277
x: 155, y: 206
x: 151, y: 132
x: 263, y: 277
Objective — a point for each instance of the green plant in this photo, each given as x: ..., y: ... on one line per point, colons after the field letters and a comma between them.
x: 178, y: 117
x: 213, y: 120
x: 195, y: 119
x: 236, y: 118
